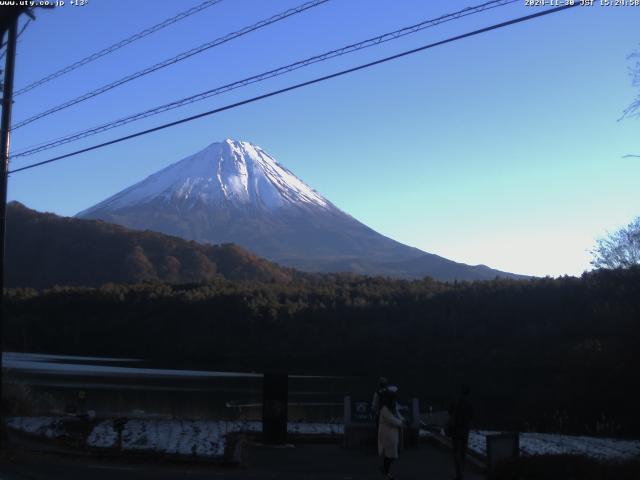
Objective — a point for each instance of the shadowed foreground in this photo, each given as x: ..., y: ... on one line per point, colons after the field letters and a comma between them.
x: 301, y: 462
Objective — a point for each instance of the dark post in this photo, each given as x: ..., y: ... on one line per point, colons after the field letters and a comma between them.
x: 501, y: 447
x: 275, y: 394
x: 5, y: 125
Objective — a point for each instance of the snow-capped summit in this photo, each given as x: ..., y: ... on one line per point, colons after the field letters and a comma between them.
x: 227, y: 172
x: 235, y: 192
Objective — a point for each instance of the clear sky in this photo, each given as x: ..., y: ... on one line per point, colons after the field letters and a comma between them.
x: 502, y: 149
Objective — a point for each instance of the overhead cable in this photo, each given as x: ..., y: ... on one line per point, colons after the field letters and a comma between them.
x: 261, y: 77
x: 171, y: 61
x: 118, y: 45
x: 298, y: 86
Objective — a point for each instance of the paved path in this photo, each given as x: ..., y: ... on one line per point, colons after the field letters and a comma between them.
x: 304, y: 462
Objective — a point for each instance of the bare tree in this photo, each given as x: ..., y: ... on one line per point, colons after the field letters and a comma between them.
x: 633, y: 110
x: 620, y: 249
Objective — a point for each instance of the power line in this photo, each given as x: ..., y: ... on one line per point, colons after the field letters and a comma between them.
x: 299, y: 85
x: 263, y: 76
x: 118, y: 45
x: 173, y: 60
x: 24, y: 27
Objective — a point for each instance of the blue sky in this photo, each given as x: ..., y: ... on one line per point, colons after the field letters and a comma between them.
x: 502, y: 149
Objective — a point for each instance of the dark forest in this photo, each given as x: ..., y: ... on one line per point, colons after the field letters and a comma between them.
x: 544, y: 354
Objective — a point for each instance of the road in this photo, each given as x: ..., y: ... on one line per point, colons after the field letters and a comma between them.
x: 303, y: 462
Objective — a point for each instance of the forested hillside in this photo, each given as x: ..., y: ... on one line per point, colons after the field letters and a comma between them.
x: 559, y: 354
x: 44, y: 250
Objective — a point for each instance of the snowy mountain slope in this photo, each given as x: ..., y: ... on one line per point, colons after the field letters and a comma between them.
x: 229, y: 172
x: 234, y: 192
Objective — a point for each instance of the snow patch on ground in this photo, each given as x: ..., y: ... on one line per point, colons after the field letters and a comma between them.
x: 49, y: 427
x: 555, y: 444
x: 198, y: 438
x: 209, y: 438
x: 315, y: 428
x: 103, y: 435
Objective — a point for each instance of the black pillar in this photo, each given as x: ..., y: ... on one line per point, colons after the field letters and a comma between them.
x: 5, y: 126
x: 275, y: 393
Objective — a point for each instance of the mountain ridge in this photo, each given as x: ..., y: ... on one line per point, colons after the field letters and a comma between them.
x: 235, y: 192
x: 44, y: 250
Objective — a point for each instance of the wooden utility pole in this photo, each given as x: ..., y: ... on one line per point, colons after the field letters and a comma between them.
x: 5, y: 126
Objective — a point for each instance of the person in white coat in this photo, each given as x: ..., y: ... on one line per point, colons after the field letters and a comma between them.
x: 389, y: 430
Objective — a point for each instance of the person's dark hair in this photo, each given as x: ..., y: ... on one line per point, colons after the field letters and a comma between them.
x: 389, y: 398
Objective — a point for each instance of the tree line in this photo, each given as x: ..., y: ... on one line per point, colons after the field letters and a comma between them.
x: 44, y: 249
x: 543, y: 354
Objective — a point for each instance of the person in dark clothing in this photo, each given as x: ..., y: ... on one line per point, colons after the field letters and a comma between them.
x: 460, y: 417
x: 376, y: 401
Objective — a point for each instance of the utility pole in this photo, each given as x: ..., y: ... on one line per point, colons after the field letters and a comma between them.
x: 5, y: 126
x: 8, y: 23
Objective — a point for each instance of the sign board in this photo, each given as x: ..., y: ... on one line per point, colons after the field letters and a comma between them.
x: 361, y: 411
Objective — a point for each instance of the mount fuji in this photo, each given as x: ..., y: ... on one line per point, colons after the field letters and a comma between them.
x: 234, y: 192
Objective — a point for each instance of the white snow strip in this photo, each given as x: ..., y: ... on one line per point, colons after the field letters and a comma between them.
x: 315, y: 428
x: 207, y: 439
x: 195, y: 438
x: 49, y: 427
x: 103, y: 435
x: 201, y: 438
x: 556, y: 444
